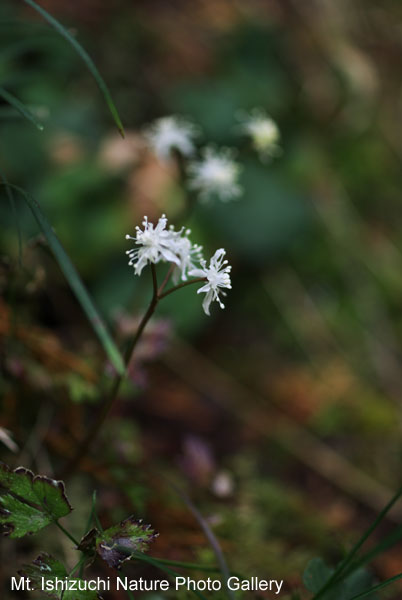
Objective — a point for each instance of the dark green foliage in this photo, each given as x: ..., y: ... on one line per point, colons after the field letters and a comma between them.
x: 29, y: 502
x: 119, y: 543
x: 317, y: 574
x: 48, y: 568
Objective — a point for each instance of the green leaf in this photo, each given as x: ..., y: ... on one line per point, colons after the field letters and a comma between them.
x: 29, y: 502
x: 20, y: 106
x: 48, y: 568
x: 85, y: 57
x: 119, y: 543
x: 356, y: 583
x: 316, y: 575
x: 75, y: 282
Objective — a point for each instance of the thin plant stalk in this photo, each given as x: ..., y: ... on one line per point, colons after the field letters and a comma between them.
x: 181, y: 285
x: 209, y: 534
x: 381, y: 547
x: 80, y: 564
x: 87, y: 442
x: 67, y: 533
x: 64, y: 32
x: 166, y: 280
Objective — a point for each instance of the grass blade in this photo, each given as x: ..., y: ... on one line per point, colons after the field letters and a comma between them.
x: 75, y: 282
x: 380, y: 548
x: 13, y: 206
x: 340, y: 571
x: 21, y: 107
x: 159, y: 565
x: 85, y: 57
x: 380, y: 586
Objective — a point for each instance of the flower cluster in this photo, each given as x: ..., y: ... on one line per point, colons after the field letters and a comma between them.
x: 264, y: 133
x: 171, y: 133
x: 158, y: 243
x: 215, y: 175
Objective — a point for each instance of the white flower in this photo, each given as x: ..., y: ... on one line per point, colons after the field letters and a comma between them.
x: 158, y: 244
x: 264, y: 133
x: 188, y: 253
x: 217, y: 276
x: 155, y: 244
x: 217, y: 174
x: 171, y: 133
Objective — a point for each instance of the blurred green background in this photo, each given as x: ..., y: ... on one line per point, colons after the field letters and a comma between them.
x: 282, y: 412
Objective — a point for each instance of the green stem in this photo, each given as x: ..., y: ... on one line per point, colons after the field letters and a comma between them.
x: 165, y: 281
x: 87, y: 442
x: 70, y: 537
x: 182, y: 285
x: 92, y: 513
x: 98, y: 523
x: 80, y: 564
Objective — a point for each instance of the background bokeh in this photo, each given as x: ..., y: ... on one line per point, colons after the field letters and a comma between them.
x: 282, y: 413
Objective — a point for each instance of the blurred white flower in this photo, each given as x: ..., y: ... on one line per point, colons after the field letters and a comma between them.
x: 264, y: 133
x: 171, y: 133
x: 155, y: 245
x: 216, y: 174
x: 158, y: 244
x: 217, y: 276
x: 223, y: 484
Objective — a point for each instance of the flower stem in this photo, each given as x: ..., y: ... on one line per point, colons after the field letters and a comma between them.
x: 87, y: 442
x: 166, y: 280
x: 66, y: 533
x: 181, y: 285
x: 80, y: 564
